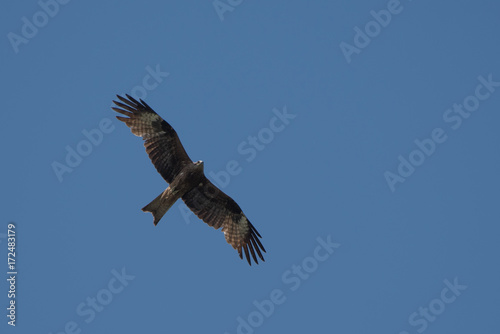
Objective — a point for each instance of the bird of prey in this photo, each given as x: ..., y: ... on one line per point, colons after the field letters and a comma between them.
x: 187, y: 180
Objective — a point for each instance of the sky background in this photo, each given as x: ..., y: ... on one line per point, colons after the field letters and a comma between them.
x: 352, y: 119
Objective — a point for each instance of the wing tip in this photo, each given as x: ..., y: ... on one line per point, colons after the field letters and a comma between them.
x: 250, y: 248
x: 249, y: 244
x: 123, y: 119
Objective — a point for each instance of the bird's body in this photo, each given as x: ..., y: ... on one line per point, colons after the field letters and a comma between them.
x: 187, y: 180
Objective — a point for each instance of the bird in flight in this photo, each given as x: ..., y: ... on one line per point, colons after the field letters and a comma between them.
x: 187, y: 180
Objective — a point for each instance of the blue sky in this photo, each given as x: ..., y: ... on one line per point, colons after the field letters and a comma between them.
x: 360, y: 138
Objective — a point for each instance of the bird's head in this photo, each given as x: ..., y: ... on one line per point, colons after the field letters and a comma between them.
x: 199, y: 164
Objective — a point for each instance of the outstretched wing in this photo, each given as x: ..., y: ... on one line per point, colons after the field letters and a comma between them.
x: 217, y: 209
x: 161, y: 141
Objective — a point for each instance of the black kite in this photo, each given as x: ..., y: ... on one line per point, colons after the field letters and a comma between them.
x: 187, y: 179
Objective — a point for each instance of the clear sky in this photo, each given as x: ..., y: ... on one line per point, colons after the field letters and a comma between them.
x: 359, y: 137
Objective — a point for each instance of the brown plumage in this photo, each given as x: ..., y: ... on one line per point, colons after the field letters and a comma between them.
x: 187, y: 180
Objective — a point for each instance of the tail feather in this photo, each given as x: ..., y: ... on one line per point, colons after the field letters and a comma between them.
x: 160, y: 205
